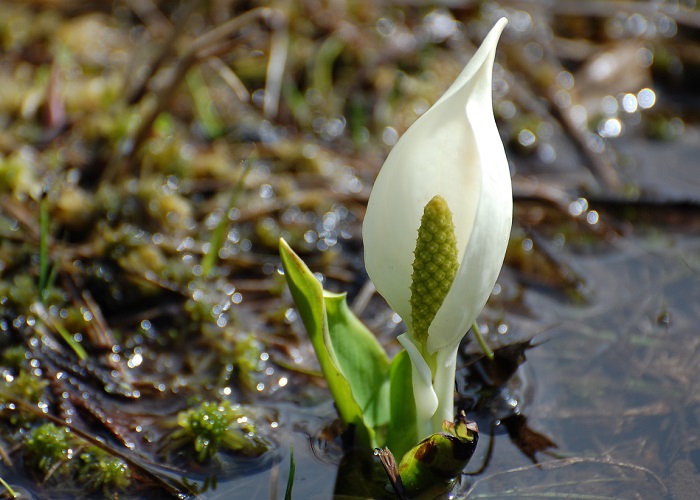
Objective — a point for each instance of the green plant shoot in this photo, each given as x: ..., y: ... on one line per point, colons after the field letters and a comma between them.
x: 354, y: 364
x: 435, y: 235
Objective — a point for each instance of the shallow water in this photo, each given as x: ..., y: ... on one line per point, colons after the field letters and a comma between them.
x: 613, y: 382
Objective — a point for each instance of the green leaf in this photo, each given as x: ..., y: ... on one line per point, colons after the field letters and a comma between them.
x: 354, y: 364
x: 362, y: 361
x: 402, y: 434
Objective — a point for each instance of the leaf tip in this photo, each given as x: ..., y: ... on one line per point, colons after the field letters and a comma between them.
x: 283, y: 245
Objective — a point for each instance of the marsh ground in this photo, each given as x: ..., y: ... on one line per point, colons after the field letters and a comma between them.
x: 152, y: 153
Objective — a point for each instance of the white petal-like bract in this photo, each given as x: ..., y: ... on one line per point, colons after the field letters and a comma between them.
x: 453, y: 150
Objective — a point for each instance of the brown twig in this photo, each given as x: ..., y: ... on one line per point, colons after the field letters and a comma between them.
x: 392, y: 471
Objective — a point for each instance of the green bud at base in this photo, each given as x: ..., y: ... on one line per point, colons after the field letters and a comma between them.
x: 434, y: 463
x: 439, y: 458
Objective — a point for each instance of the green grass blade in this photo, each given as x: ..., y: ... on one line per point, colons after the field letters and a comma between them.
x: 68, y: 338
x: 204, y: 104
x: 218, y: 236
x: 290, y: 478
x: 8, y: 488
x: 43, y: 246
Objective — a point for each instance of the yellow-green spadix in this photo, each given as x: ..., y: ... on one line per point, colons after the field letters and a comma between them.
x: 453, y: 154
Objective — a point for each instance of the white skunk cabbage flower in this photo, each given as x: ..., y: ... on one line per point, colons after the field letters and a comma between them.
x: 448, y: 179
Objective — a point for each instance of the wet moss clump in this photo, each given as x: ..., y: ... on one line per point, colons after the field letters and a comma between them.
x: 48, y: 449
x: 101, y: 472
x: 56, y: 455
x: 217, y: 425
x: 25, y: 385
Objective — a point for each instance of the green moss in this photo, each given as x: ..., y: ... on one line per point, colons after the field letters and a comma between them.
x: 28, y: 386
x: 99, y: 471
x: 247, y: 360
x: 215, y: 425
x: 48, y: 448
x: 24, y: 291
x: 54, y: 452
x: 14, y: 357
x: 435, y: 265
x: 16, y: 177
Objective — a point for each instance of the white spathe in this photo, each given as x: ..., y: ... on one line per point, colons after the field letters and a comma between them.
x: 453, y: 150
